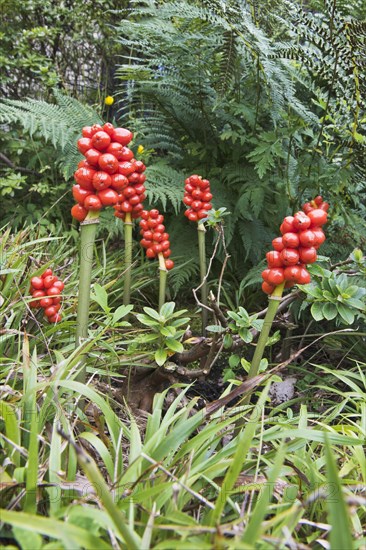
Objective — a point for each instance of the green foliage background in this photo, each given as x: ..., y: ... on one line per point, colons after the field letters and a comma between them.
x: 268, y: 102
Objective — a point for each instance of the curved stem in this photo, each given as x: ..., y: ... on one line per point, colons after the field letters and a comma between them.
x: 203, y: 272
x: 128, y: 259
x: 88, y: 231
x: 162, y: 280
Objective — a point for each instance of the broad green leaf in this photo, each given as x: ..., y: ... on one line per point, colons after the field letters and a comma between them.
x: 167, y: 309
x: 317, y: 311
x: 215, y: 328
x: 100, y: 296
x: 121, y: 312
x: 152, y: 313
x: 228, y: 341
x: 234, y: 361
x: 160, y: 356
x: 245, y: 335
x: 146, y: 320
x: 174, y: 345
x: 346, y: 314
x: 168, y: 331
x: 329, y: 311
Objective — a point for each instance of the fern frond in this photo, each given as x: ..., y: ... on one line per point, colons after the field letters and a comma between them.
x: 59, y: 123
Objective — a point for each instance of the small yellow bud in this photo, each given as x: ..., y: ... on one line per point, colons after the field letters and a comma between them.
x: 109, y: 100
x: 140, y: 149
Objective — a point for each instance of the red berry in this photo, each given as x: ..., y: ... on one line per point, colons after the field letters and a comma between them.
x: 55, y: 318
x: 108, y: 128
x: 108, y: 197
x: 96, y: 128
x: 52, y: 310
x: 84, y: 177
x: 121, y: 135
x: 49, y: 280
x: 101, y: 140
x: 307, y: 238
x: 46, y: 302
x: 108, y: 163
x: 126, y: 154
x: 59, y: 284
x: 79, y: 212
x: 318, y: 217
x: 150, y: 253
x: 278, y: 244
x: 289, y: 256
x: 87, y: 132
x: 79, y: 193
x: 101, y: 180
x: 53, y: 291
x: 169, y: 264
x: 267, y: 288
x: 292, y: 273
x: 275, y: 276
x: 37, y: 283
x: 119, y: 182
x: 92, y: 203
x: 84, y: 144
x: 307, y: 255
x: 301, y: 221
x: 290, y: 240
x: 287, y: 225
x: 274, y: 259
x: 126, y: 168
x: 47, y: 272
x: 92, y: 156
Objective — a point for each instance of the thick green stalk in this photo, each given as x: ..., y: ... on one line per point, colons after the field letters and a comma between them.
x: 162, y: 280
x: 88, y: 231
x: 273, y: 302
x: 128, y: 259
x: 203, y: 272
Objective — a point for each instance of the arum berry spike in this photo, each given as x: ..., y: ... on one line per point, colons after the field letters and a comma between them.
x: 156, y: 242
x: 46, y: 291
x: 197, y: 197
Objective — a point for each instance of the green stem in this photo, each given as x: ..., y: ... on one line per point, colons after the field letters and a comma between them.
x: 274, y: 301
x: 128, y: 259
x: 203, y: 272
x: 88, y: 231
x: 162, y: 281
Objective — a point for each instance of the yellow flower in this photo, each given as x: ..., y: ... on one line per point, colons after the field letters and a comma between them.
x: 109, y: 100
x: 140, y: 149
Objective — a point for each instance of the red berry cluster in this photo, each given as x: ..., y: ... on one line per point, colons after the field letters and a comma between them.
x: 154, y: 238
x: 108, y: 168
x: 131, y: 189
x: 197, y: 196
x: 46, y: 290
x: 301, y: 237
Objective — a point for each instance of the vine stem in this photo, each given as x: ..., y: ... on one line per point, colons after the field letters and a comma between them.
x: 88, y: 229
x: 128, y: 259
x: 162, y: 280
x: 274, y: 301
x: 203, y: 272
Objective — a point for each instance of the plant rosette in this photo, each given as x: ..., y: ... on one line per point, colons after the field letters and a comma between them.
x: 109, y: 168
x: 301, y: 236
x: 46, y: 292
